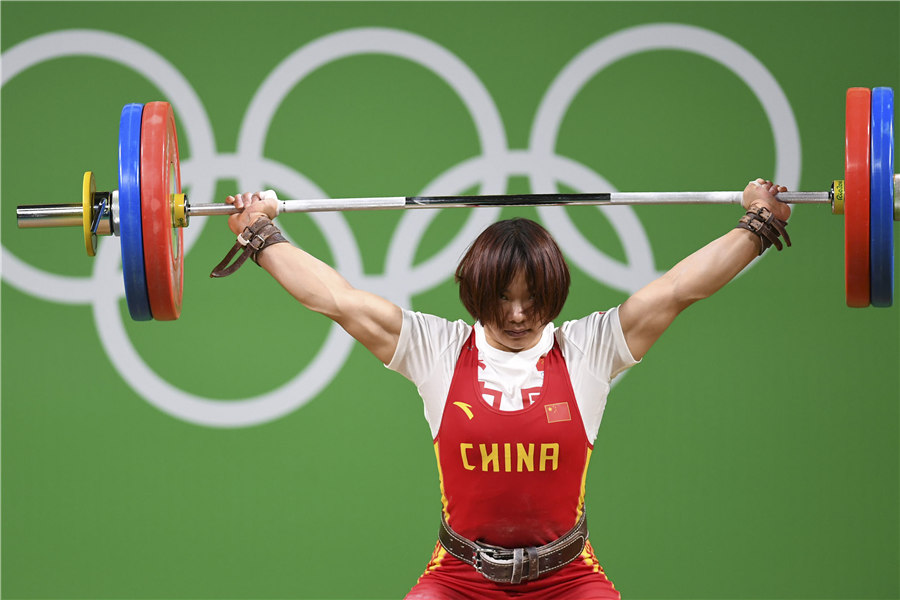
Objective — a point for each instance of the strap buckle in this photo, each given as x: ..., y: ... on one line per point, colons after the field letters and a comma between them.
x: 255, y: 242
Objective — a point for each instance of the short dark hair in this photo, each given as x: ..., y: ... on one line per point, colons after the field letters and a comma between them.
x: 497, y: 255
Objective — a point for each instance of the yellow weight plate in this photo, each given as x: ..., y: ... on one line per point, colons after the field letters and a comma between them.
x: 179, y: 210
x: 837, y: 197
x: 88, y: 189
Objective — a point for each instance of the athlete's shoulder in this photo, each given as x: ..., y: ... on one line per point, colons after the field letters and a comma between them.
x: 585, y: 330
x: 425, y: 333
x: 435, y: 325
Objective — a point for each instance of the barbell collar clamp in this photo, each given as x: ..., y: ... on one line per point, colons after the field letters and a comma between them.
x: 101, y: 208
x: 114, y: 213
x: 897, y: 196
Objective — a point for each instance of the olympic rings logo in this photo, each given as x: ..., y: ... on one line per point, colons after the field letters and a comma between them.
x: 401, y: 280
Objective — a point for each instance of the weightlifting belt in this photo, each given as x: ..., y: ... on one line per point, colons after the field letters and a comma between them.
x: 515, y: 565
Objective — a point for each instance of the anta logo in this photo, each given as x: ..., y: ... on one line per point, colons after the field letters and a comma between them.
x: 466, y: 408
x: 510, y: 457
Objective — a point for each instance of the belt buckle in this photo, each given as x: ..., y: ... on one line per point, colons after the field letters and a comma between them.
x: 479, y: 552
x: 507, y: 565
x: 486, y: 552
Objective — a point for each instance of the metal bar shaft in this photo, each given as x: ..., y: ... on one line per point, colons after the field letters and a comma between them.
x: 610, y: 199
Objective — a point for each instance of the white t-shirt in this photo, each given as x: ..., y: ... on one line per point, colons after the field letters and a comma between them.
x: 593, y: 347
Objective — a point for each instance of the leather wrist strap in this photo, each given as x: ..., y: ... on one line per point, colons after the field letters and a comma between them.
x: 515, y: 565
x: 253, y: 240
x: 767, y: 227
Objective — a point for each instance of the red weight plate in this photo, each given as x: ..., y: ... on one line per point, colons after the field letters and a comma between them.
x: 856, y: 197
x: 160, y: 179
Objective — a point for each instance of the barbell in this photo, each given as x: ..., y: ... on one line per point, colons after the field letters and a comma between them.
x: 149, y: 210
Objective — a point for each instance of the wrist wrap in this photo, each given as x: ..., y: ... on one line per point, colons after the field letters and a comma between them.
x: 766, y: 226
x: 253, y: 240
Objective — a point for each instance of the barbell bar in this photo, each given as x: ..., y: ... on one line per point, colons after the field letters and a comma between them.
x: 149, y: 210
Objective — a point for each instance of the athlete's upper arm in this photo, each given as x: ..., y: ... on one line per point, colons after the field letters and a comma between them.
x: 372, y: 320
x: 647, y: 314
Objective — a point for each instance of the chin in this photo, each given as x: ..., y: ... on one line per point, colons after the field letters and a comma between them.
x: 521, y: 343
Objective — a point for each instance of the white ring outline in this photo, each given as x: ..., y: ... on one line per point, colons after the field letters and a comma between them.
x: 596, y: 57
x: 495, y: 154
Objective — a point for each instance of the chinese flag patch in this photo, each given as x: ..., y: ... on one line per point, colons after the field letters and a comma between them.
x: 557, y: 413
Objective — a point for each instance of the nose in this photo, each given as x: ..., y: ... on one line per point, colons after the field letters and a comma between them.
x: 517, y: 312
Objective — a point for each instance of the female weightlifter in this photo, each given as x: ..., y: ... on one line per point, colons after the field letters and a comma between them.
x: 514, y: 402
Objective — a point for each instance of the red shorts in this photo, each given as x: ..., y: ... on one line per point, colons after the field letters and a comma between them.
x: 448, y: 578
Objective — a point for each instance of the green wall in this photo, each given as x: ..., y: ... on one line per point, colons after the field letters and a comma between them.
x: 249, y: 450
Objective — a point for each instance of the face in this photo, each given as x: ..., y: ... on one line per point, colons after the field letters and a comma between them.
x: 518, y: 330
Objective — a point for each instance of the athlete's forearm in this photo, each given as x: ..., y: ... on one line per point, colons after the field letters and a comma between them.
x: 707, y: 270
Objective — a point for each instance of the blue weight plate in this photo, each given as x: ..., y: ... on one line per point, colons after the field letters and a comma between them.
x: 130, y: 213
x: 881, y: 255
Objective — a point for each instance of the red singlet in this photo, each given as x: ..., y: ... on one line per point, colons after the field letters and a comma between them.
x: 512, y: 479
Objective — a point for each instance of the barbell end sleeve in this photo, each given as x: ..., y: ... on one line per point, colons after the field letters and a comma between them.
x: 31, y: 216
